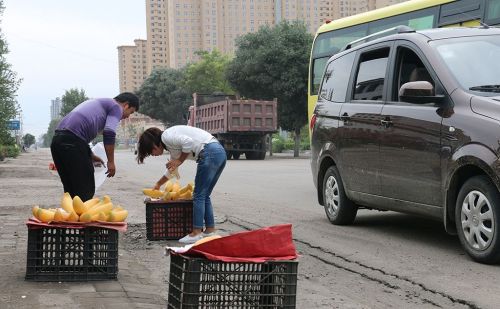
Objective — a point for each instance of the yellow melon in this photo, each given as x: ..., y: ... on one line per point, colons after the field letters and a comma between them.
x: 92, y: 202
x: 153, y: 193
x: 106, y: 199
x: 168, y: 185
x: 176, y: 186
x: 78, y: 205
x: 45, y: 215
x: 61, y: 215
x: 34, y: 210
x: 186, y: 195
x: 73, y: 217
x: 101, y: 208
x: 86, y: 217
x: 67, y: 202
x: 118, y: 215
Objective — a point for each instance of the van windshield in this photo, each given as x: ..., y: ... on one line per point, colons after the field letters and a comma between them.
x: 474, y: 61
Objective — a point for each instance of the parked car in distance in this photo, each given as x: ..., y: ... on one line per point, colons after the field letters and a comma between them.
x: 410, y: 122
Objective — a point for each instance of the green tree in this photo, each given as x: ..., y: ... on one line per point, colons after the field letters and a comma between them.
x: 71, y: 99
x: 208, y: 74
x: 47, y: 137
x: 28, y: 140
x: 273, y: 63
x: 9, y: 83
x: 163, y: 97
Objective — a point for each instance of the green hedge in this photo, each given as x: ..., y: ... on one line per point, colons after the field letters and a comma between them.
x: 280, y: 144
x: 7, y: 151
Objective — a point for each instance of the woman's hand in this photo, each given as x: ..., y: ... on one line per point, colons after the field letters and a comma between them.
x: 172, y: 165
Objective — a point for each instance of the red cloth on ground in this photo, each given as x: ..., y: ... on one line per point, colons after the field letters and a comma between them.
x: 269, y: 243
x: 34, y: 223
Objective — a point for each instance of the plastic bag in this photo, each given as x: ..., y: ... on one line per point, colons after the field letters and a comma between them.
x: 99, y: 169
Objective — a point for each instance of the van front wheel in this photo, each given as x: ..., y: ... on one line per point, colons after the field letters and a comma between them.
x: 339, y: 209
x: 477, y: 218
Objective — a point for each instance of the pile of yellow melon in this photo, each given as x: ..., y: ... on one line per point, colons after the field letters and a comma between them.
x: 75, y: 210
x: 172, y: 191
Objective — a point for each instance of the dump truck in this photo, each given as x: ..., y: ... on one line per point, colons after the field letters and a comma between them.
x: 241, y: 126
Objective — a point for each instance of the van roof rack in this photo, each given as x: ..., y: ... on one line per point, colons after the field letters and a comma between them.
x: 393, y: 30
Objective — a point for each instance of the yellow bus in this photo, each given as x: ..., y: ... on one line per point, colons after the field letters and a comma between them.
x: 331, y: 37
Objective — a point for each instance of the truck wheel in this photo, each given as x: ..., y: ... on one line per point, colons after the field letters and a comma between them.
x: 229, y: 154
x: 477, y: 218
x: 261, y: 155
x: 236, y: 155
x: 250, y: 155
x: 338, y: 208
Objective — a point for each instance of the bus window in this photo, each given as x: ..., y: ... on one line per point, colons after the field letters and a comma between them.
x: 317, y: 73
x: 423, y: 19
x: 333, y: 41
x: 326, y: 45
x: 492, y: 12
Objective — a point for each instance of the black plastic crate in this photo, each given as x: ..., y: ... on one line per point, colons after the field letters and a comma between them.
x: 202, y: 283
x: 72, y: 254
x: 169, y: 220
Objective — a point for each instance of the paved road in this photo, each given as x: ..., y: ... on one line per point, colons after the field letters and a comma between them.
x: 385, y: 260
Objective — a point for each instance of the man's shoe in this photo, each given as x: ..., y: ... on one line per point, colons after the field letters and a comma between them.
x: 190, y: 239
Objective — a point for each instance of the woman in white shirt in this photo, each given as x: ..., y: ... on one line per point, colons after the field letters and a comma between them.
x: 186, y: 142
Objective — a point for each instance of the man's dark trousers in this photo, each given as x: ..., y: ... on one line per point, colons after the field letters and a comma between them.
x: 73, y: 159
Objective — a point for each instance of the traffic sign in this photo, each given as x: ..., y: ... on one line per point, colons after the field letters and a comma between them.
x: 14, y: 125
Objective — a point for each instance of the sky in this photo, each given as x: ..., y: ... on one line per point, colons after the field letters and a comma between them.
x: 57, y: 45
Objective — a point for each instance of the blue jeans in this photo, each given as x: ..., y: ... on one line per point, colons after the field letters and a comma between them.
x: 211, y: 161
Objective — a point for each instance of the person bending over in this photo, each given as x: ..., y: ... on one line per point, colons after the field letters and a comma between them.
x: 70, y: 145
x: 186, y: 142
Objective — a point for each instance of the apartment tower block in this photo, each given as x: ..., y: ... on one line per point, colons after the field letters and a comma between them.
x: 176, y: 29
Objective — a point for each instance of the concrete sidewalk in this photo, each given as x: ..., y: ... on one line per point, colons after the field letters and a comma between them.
x: 26, y: 181
x: 143, y: 269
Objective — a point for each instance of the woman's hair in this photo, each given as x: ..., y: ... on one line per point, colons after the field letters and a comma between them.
x: 147, y: 140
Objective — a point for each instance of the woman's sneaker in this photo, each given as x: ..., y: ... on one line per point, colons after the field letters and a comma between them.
x: 191, y: 239
x: 209, y: 234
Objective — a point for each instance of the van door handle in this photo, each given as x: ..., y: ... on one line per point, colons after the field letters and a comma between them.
x: 345, y: 117
x: 386, y: 122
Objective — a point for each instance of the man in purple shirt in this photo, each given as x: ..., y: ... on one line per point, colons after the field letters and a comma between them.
x: 70, y: 145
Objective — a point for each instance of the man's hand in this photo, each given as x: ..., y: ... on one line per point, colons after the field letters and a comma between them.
x: 156, y: 187
x: 98, y: 161
x: 111, y: 169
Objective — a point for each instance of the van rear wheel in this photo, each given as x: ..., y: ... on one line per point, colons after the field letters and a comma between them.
x: 339, y: 209
x: 477, y: 218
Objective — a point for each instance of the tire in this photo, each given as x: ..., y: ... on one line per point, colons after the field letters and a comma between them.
x: 236, y: 155
x: 250, y: 155
x: 229, y: 154
x: 477, y: 218
x: 261, y: 155
x: 338, y: 208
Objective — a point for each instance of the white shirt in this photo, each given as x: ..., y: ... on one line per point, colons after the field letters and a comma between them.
x: 191, y: 140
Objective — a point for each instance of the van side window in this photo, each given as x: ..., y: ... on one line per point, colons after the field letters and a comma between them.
x: 409, y: 68
x: 370, y: 79
x: 336, y: 78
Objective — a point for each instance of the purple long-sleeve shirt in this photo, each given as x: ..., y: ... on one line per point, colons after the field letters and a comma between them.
x: 91, y: 117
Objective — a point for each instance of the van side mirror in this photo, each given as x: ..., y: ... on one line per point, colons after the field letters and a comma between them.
x: 419, y: 92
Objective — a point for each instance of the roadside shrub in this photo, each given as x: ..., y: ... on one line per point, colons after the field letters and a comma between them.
x: 7, y: 151
x: 289, y: 144
x: 278, y: 145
